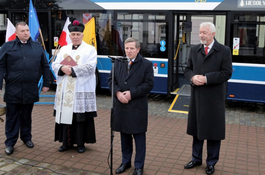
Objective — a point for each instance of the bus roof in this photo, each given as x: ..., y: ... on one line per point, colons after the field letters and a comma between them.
x: 221, y: 5
x: 158, y: 4
x: 241, y: 5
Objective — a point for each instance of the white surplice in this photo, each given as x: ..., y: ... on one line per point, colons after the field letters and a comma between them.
x: 75, y: 94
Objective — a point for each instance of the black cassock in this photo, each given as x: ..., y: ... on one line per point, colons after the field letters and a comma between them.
x: 81, y: 131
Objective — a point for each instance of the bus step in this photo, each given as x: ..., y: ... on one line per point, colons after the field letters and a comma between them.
x: 184, y: 90
x: 181, y: 102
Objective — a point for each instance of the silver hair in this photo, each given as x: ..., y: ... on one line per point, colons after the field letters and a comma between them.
x: 211, y: 25
x: 131, y: 39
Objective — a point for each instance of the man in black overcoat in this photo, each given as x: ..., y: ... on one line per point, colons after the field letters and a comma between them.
x: 208, y: 69
x: 133, y: 80
x: 20, y: 63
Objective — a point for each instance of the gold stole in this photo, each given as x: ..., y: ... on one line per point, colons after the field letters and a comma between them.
x: 65, y: 101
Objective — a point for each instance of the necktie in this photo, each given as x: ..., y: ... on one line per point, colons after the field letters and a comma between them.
x: 129, y: 65
x: 206, y: 50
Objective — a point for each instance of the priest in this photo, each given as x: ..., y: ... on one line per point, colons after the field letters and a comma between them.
x: 75, y: 99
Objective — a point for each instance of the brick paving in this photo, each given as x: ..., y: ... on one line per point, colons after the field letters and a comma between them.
x: 168, y: 145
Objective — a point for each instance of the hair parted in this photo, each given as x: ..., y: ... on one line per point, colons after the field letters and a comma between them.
x: 131, y: 39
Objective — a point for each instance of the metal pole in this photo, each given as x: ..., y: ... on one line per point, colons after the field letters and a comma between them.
x: 113, y: 59
x: 111, y: 118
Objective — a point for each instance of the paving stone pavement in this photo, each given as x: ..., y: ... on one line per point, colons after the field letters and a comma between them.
x: 168, y: 145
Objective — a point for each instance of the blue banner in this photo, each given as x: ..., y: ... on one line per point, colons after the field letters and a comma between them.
x: 33, y: 22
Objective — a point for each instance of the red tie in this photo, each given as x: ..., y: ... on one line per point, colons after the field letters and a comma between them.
x: 206, y: 50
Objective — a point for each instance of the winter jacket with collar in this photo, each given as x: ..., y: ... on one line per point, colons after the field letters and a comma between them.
x: 21, y: 65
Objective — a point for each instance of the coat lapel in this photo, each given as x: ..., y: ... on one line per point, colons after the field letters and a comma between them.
x: 215, y: 48
x: 134, y: 66
x: 201, y: 49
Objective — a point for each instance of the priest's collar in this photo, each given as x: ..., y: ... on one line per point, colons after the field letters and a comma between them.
x: 75, y: 47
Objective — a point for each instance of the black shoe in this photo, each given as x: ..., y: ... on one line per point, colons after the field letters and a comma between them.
x: 63, y: 148
x: 9, y: 150
x: 209, y: 169
x: 122, y: 168
x: 29, y: 144
x: 138, y: 171
x: 81, y: 149
x: 192, y: 164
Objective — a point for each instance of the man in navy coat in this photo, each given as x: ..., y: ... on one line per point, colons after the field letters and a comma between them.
x: 208, y: 69
x: 133, y: 80
x: 20, y: 63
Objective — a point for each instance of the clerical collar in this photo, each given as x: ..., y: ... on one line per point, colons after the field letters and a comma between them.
x: 75, y: 47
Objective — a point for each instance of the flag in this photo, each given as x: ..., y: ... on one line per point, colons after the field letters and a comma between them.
x: 117, y: 40
x: 33, y: 22
x: 34, y: 28
x: 10, y: 31
x: 86, y: 17
x: 65, y: 38
x: 90, y: 33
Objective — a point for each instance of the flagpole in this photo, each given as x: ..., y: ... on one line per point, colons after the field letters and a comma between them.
x: 55, y: 52
x: 42, y: 39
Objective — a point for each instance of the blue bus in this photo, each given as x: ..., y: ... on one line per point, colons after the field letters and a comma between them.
x: 247, y: 83
x: 166, y: 29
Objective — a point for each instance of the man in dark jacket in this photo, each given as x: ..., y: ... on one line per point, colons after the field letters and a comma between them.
x: 20, y: 61
x: 208, y: 69
x: 133, y: 80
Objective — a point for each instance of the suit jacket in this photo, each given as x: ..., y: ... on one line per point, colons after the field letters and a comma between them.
x: 206, y: 118
x: 131, y: 118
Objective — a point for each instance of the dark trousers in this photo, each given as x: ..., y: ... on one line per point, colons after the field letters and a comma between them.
x: 127, y: 148
x: 213, y: 150
x: 18, y: 117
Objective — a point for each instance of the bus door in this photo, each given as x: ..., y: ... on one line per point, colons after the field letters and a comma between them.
x: 173, y: 62
x: 183, y: 47
x: 182, y: 32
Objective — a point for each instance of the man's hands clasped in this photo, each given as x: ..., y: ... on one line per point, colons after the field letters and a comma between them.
x: 199, y: 80
x: 124, y: 97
